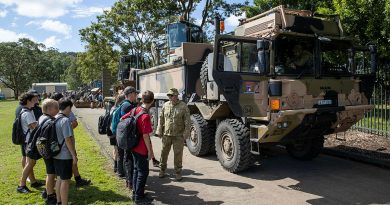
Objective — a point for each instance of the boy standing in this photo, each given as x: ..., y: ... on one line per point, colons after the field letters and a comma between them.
x: 143, y: 152
x: 67, y: 157
x: 50, y: 110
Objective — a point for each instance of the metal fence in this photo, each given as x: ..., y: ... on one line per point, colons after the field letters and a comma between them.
x: 377, y: 121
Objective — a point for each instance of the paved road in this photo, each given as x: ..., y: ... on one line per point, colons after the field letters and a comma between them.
x: 275, y: 179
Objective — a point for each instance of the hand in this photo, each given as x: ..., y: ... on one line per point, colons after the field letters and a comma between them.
x: 75, y: 160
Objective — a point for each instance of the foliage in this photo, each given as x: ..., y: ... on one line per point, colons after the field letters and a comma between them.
x: 106, y: 188
x: 25, y: 62
x: 134, y: 25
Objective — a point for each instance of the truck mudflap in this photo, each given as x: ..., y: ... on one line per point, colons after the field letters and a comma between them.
x: 289, y: 125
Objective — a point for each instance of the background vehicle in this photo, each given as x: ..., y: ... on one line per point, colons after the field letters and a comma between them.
x: 247, y: 91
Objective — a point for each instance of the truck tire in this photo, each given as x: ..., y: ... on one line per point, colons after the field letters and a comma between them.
x: 232, y: 145
x: 307, y: 149
x: 153, y: 118
x: 204, y: 77
x: 202, y: 136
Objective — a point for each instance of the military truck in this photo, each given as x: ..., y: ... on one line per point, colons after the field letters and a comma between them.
x: 285, y: 77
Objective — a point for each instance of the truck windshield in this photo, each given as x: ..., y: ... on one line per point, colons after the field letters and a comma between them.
x: 335, y: 58
x: 177, y: 34
x: 294, y: 55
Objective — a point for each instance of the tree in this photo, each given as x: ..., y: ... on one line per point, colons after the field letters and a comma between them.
x: 18, y: 63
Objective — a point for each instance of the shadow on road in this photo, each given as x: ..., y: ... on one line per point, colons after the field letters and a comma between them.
x: 337, y: 181
x: 162, y: 190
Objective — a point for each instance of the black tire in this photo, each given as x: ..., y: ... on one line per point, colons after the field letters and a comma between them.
x: 204, y: 77
x: 306, y: 149
x: 201, y: 139
x: 153, y: 118
x: 232, y: 145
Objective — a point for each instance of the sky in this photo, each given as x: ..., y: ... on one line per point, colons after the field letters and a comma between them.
x: 56, y: 23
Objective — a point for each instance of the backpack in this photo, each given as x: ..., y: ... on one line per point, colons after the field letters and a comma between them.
x: 47, y: 143
x: 31, y: 150
x: 18, y: 136
x: 103, y: 123
x: 126, y: 133
x: 108, y: 130
x: 116, y: 117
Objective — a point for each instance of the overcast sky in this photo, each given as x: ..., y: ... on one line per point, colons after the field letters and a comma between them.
x: 56, y: 22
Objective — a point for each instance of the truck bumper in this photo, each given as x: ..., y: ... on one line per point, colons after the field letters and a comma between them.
x: 288, y: 125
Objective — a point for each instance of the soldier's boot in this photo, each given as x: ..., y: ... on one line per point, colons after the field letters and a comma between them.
x: 161, y: 174
x: 178, y: 176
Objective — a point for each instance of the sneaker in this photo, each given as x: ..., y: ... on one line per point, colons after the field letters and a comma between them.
x: 83, y: 182
x: 178, y: 177
x: 161, y: 174
x: 51, y: 199
x: 156, y: 163
x: 23, y: 189
x: 37, y: 184
x: 44, y: 194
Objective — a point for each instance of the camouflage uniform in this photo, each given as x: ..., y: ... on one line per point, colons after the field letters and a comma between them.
x: 173, y: 126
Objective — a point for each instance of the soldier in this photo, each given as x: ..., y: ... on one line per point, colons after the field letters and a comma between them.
x: 173, y: 128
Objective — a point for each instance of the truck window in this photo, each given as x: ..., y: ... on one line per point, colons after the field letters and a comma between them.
x: 238, y: 57
x: 335, y: 58
x: 294, y: 55
x: 177, y: 34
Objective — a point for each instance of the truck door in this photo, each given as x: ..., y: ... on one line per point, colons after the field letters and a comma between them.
x: 238, y: 76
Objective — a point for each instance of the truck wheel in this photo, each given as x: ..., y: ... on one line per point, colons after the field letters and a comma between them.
x: 232, y: 145
x: 201, y: 136
x: 153, y: 118
x: 306, y: 149
x: 204, y: 76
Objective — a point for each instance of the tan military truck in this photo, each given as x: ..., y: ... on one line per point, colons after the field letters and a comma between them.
x: 284, y: 77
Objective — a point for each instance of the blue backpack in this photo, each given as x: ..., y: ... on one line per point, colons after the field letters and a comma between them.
x: 116, y: 117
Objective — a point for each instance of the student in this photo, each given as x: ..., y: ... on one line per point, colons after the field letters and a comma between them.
x: 125, y: 156
x: 28, y: 121
x: 113, y: 142
x: 143, y: 151
x: 67, y: 157
x: 73, y: 123
x: 50, y: 109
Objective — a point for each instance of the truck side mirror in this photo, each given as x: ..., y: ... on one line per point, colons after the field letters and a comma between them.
x: 263, y: 55
x: 373, y: 54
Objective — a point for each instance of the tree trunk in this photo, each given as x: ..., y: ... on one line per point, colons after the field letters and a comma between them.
x: 16, y: 93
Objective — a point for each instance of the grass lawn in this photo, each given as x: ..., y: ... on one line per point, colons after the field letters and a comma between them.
x: 106, y: 188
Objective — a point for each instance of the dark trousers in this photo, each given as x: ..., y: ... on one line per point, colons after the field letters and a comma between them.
x: 129, y: 167
x: 121, y: 162
x: 141, y: 173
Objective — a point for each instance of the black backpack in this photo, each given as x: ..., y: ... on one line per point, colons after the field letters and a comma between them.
x: 108, y: 129
x: 126, y: 131
x: 31, y: 150
x: 103, y: 123
x: 18, y: 136
x: 47, y: 144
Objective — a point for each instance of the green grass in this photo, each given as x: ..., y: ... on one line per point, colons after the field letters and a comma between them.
x: 106, y: 188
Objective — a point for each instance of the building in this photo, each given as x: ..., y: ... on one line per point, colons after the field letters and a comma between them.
x: 50, y: 87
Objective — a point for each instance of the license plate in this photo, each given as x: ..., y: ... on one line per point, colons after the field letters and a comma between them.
x: 324, y: 102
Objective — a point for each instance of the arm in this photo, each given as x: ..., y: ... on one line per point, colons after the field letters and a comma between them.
x: 161, y: 122
x: 69, y: 141
x: 148, y: 145
x: 75, y: 124
x: 32, y: 125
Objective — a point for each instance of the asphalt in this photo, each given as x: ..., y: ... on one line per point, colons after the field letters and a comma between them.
x: 274, y: 179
